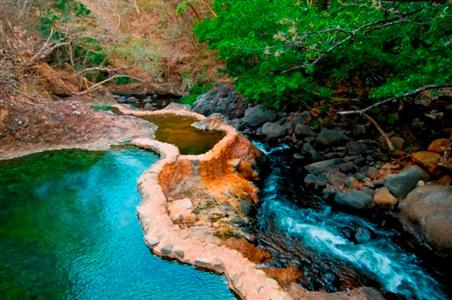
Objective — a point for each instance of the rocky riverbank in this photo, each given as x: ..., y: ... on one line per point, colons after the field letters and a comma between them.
x: 345, y: 163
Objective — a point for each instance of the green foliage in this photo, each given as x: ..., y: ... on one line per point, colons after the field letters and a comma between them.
x: 195, y: 91
x: 62, y: 22
x: 287, y: 50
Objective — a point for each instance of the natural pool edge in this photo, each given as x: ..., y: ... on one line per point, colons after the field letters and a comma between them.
x: 167, y: 239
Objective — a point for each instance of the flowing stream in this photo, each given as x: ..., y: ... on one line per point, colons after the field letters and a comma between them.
x: 318, y: 233
x: 69, y: 230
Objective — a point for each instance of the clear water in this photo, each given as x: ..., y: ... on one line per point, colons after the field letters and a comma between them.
x: 69, y: 230
x: 320, y: 232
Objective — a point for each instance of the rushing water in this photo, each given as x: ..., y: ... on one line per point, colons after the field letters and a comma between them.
x: 69, y: 230
x: 320, y: 232
x: 177, y: 130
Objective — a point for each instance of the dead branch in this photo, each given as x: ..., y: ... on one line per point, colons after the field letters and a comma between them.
x: 134, y: 3
x: 99, y: 84
x: 395, y: 98
x: 101, y: 69
x: 209, y: 7
x: 380, y: 130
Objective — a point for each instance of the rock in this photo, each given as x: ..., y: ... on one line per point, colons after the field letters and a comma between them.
x: 149, y: 106
x: 347, y: 167
x: 306, y: 116
x: 166, y: 250
x: 284, y: 276
x: 324, y: 166
x: 397, y: 142
x: 402, y: 183
x: 439, y: 146
x: 445, y: 180
x: 180, y: 210
x: 224, y: 99
x: 297, y: 292
x: 177, y: 106
x: 328, y: 137
x: 354, y: 198
x: 428, y: 160
x: 356, y: 148
x: 273, y: 130
x: 372, y: 172
x: 303, y: 130
x: 316, y: 181
x: 383, y: 198
x: 426, y: 213
x: 214, y: 264
x: 258, y: 115
x: 362, y: 235
x: 350, y: 182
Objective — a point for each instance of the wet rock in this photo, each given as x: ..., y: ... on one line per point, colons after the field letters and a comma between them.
x: 402, y: 183
x: 328, y: 192
x: 428, y: 160
x: 362, y: 235
x: 258, y: 115
x: 328, y: 137
x: 354, y: 198
x: 324, y: 166
x: 350, y: 182
x: 356, y: 148
x: 426, y: 214
x: 383, y: 198
x: 372, y: 172
x: 273, y: 130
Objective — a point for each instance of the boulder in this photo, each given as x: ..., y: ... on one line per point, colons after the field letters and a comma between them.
x: 383, y: 198
x: 303, y: 130
x: 426, y: 214
x: 402, y: 183
x: 180, y: 210
x: 356, y: 148
x: 354, y: 198
x: 324, y: 166
x: 439, y: 146
x: 223, y: 99
x: 257, y: 115
x: 328, y: 137
x: 273, y: 130
x: 428, y: 160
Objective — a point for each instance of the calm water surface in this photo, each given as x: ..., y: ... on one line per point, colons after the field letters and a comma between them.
x: 69, y: 230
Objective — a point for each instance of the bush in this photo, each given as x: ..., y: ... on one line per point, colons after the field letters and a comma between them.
x: 292, y: 50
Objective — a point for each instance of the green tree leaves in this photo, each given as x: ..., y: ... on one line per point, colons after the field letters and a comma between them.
x: 288, y: 50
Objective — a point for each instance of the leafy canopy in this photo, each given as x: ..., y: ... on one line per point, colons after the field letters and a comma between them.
x: 288, y: 50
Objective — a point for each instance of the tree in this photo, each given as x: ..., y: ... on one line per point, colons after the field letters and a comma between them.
x: 292, y: 50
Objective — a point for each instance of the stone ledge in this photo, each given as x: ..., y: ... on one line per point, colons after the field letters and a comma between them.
x: 166, y: 239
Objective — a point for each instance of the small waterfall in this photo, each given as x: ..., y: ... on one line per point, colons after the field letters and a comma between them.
x: 320, y: 231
